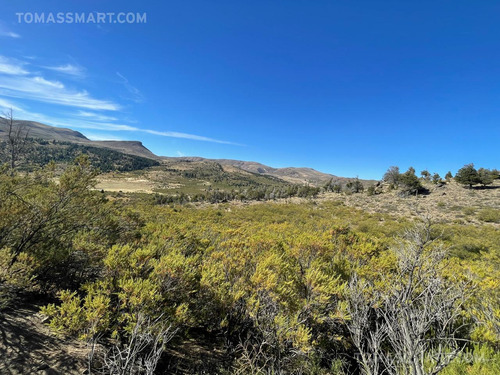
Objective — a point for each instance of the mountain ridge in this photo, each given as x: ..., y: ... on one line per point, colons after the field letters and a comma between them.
x: 290, y: 174
x: 47, y: 132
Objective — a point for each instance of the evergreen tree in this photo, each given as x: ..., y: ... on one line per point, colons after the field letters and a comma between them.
x: 436, y: 178
x: 467, y: 175
x: 425, y: 175
x: 485, y: 176
x: 495, y: 173
x: 410, y: 182
x: 355, y: 186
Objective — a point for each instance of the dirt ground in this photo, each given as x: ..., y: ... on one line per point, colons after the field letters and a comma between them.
x: 28, y: 347
x: 126, y: 185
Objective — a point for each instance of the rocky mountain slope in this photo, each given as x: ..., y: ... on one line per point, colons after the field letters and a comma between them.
x: 290, y: 174
x: 46, y: 132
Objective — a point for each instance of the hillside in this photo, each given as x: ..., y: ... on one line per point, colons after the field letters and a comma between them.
x: 38, y: 153
x: 41, y: 131
x: 295, y: 175
x: 64, y: 137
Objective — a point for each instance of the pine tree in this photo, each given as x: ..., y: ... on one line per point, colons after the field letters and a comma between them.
x: 485, y: 176
x: 436, y: 178
x: 425, y: 175
x: 411, y: 183
x: 467, y: 175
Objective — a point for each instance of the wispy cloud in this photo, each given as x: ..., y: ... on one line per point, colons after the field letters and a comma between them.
x: 95, y: 116
x: 41, y: 89
x: 5, y: 32
x: 188, y: 136
x: 6, y: 105
x: 9, y: 34
x: 69, y: 69
x: 91, y: 124
x: 11, y: 67
x: 19, y: 82
x: 136, y: 95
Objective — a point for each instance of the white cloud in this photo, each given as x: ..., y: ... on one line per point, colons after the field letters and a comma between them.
x: 96, y: 116
x: 136, y: 95
x: 41, y: 89
x: 79, y: 123
x: 7, y: 105
x: 10, y: 34
x: 43, y: 82
x: 11, y: 66
x: 187, y: 136
x: 17, y: 82
x: 68, y: 69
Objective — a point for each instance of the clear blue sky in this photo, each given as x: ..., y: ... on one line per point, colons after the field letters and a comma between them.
x: 345, y: 87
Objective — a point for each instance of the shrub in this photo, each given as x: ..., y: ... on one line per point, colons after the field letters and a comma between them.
x: 469, y: 210
x: 355, y: 186
x: 489, y: 215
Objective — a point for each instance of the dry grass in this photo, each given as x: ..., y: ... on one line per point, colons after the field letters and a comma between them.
x: 449, y: 203
x: 126, y: 183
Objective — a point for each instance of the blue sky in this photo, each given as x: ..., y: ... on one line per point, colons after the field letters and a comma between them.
x: 345, y: 87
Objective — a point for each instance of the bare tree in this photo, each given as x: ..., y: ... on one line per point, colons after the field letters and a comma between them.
x: 392, y: 175
x: 414, y: 324
x: 367, y: 333
x: 140, y: 354
x: 17, y: 137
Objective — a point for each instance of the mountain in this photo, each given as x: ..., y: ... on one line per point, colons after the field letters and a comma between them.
x: 51, y: 133
x: 290, y: 174
x: 294, y: 175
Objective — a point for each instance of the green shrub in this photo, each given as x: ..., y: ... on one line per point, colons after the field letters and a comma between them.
x: 469, y: 210
x: 489, y: 215
x: 481, y: 360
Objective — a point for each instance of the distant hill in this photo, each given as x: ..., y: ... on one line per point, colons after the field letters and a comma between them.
x: 49, y: 133
x: 41, y: 131
x: 294, y: 175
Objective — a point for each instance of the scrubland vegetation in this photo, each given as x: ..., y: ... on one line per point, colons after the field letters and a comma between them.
x: 278, y: 288
x: 39, y: 152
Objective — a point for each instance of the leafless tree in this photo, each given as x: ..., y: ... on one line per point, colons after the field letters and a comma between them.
x: 392, y: 176
x: 140, y: 354
x: 367, y: 333
x: 413, y: 325
x: 17, y: 137
x: 253, y: 359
